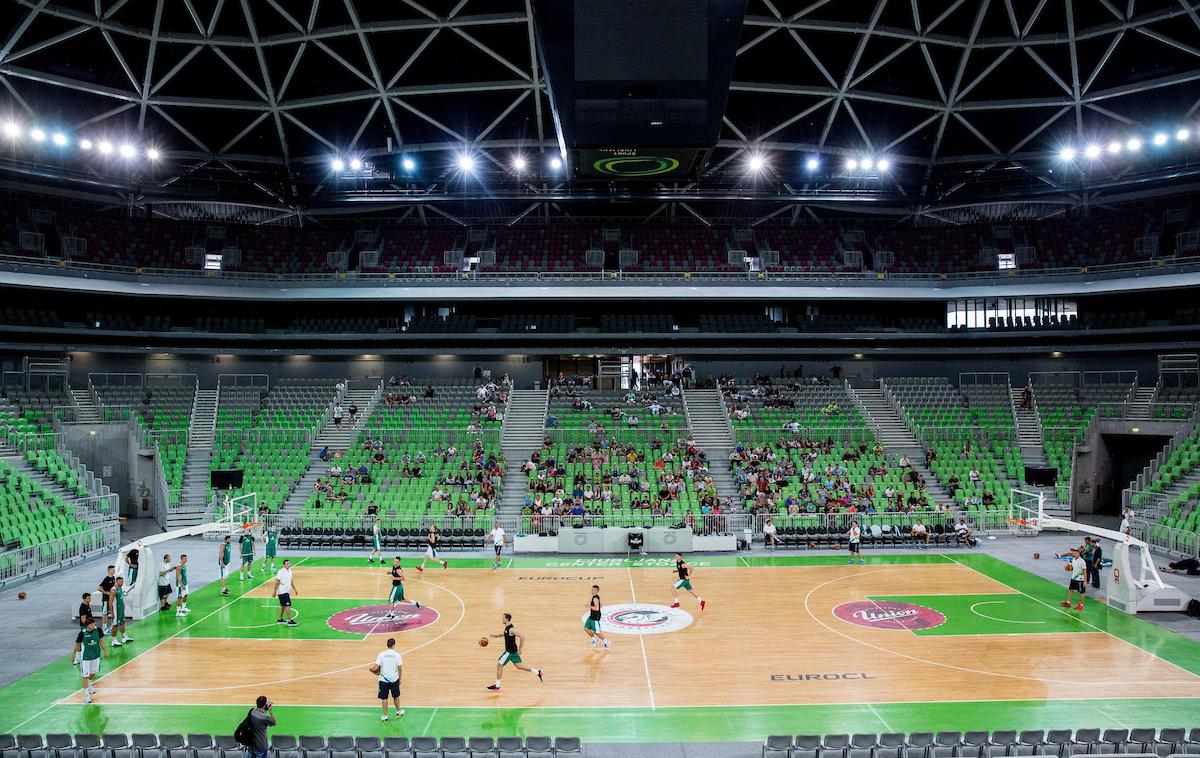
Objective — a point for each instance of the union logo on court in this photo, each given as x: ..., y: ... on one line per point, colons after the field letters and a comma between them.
x: 372, y: 619
x: 884, y: 614
x: 643, y: 618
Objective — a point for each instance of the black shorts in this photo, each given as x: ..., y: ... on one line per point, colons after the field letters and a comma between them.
x: 498, y: 548
x: 1076, y: 585
x: 854, y: 547
x: 164, y: 590
x: 388, y: 689
x: 285, y: 600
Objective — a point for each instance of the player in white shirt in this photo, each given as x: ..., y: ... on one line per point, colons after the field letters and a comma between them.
x: 285, y: 587
x: 855, y: 537
x: 498, y: 538
x: 1126, y: 527
x: 376, y: 542
x: 389, y: 665
x: 1077, y: 584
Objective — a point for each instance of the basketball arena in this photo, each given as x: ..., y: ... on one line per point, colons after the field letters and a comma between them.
x: 524, y: 378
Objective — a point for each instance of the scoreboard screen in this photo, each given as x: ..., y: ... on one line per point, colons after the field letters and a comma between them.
x: 638, y: 164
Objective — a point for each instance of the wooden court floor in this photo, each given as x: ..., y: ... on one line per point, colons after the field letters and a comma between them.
x: 770, y: 635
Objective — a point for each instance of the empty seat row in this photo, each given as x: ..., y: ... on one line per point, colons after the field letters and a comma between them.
x: 281, y: 746
x: 1060, y: 743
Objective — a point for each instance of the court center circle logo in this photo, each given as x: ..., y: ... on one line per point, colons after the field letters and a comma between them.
x: 372, y: 619
x: 642, y: 618
x: 886, y: 614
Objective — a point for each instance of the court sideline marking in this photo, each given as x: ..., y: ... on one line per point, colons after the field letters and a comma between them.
x: 461, y: 617
x: 899, y: 654
x: 222, y: 607
x: 1080, y: 619
x: 642, y: 642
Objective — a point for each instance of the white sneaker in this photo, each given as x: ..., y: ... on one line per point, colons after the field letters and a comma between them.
x: 383, y: 717
x: 595, y: 642
x: 186, y: 609
x: 399, y: 712
x: 607, y: 644
x: 178, y: 614
x: 87, y: 697
x: 117, y: 643
x: 126, y: 638
x: 91, y: 690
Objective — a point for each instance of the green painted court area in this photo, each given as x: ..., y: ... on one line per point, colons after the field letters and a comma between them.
x: 1031, y: 608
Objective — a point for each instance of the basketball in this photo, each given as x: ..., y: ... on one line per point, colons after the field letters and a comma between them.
x: 1067, y: 566
x: 20, y: 596
x: 812, y: 545
x: 373, y: 668
x: 483, y: 642
x: 1036, y: 556
x: 838, y: 546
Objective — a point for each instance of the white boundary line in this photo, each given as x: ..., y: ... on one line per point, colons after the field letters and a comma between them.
x: 864, y: 643
x: 998, y: 620
x: 462, y: 615
x: 642, y: 642
x: 1082, y: 620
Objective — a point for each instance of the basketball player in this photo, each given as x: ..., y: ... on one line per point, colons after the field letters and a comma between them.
x: 223, y: 558
x: 285, y: 587
x: 89, y: 644
x: 85, y: 615
x: 432, y: 540
x: 181, y: 584
x: 397, y: 596
x: 106, y: 585
x: 684, y: 582
x: 117, y: 603
x: 592, y: 624
x: 498, y: 538
x: 389, y: 665
x: 376, y: 541
x: 855, y: 538
x: 271, y: 541
x: 513, y: 642
x: 1077, y: 585
x: 247, y: 541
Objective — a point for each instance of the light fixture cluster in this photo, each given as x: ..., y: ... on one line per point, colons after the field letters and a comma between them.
x: 757, y: 162
x: 14, y: 132
x: 1128, y: 146
x: 464, y: 163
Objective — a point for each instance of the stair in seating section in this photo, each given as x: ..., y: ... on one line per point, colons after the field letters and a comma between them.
x: 341, y: 438
x: 889, y: 427
x: 85, y: 406
x: 1029, y: 422
x: 1139, y: 407
x: 195, y: 493
x: 708, y: 423
x: 522, y: 432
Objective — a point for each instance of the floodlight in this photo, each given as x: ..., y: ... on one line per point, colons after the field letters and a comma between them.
x: 1182, y: 135
x: 1092, y: 150
x: 812, y: 164
x: 36, y: 134
x: 11, y: 129
x: 556, y: 164
x: 59, y: 139
x: 1133, y: 145
x: 106, y: 147
x: 756, y: 163
x: 355, y: 164
x: 518, y: 163
x: 127, y: 150
x: 851, y: 164
x: 1160, y: 139
x: 408, y: 164
x: 152, y: 153
x: 466, y: 163
x: 866, y: 164
x: 1114, y: 147
x: 883, y: 165
x: 338, y: 164
x: 85, y: 144
x: 1067, y: 154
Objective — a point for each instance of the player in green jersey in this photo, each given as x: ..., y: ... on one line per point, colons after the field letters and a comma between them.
x: 89, y: 645
x: 247, y: 569
x: 271, y: 541
x: 116, y: 602
x: 181, y: 588
x: 223, y: 558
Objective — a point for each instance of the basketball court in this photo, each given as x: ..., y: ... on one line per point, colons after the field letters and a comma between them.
x: 785, y: 644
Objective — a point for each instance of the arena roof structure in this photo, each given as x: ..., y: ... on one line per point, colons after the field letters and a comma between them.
x: 904, y: 108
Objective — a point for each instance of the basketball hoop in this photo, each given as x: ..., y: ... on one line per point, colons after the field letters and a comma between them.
x: 251, y: 524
